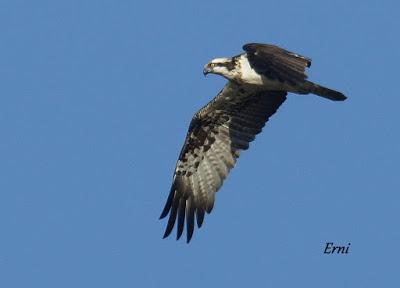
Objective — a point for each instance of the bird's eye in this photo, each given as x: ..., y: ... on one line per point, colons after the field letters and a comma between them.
x: 212, y: 65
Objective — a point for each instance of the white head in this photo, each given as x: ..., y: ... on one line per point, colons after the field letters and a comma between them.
x: 223, y: 66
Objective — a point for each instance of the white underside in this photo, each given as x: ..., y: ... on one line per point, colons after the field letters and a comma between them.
x: 250, y: 76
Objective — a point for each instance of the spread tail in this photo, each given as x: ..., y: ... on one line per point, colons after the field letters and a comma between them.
x: 324, y: 92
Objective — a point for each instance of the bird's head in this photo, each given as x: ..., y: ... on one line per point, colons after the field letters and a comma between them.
x: 222, y: 66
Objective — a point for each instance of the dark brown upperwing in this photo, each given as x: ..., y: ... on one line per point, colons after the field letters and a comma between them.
x: 277, y: 63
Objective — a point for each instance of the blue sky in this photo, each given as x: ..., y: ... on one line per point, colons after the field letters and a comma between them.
x: 96, y: 98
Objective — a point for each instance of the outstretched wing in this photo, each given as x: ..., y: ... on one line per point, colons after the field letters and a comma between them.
x: 276, y: 63
x: 217, y: 134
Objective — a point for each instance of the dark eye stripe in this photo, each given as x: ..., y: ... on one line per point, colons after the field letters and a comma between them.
x: 229, y: 65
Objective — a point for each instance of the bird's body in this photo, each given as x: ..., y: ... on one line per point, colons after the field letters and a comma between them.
x: 246, y: 75
x: 258, y: 81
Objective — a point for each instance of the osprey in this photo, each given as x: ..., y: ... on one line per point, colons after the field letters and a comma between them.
x: 258, y: 81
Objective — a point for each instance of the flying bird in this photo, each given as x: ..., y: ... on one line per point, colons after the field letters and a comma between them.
x: 258, y: 81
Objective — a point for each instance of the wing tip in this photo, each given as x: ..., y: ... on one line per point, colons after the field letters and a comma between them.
x: 166, y: 233
x: 163, y: 215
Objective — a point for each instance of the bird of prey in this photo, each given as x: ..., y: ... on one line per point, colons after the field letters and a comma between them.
x: 258, y: 81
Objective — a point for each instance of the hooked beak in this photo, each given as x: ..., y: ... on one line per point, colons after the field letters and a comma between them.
x: 206, y: 70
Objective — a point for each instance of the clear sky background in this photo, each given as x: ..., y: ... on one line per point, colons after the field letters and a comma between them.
x: 95, y: 101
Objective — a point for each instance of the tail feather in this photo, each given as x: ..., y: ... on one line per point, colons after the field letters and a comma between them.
x: 325, y: 92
